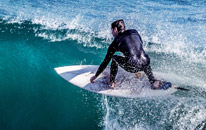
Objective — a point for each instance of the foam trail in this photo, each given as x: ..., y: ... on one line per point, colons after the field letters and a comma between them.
x: 106, y: 118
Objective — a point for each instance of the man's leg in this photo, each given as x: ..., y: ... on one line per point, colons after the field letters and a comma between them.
x: 116, y: 60
x: 121, y: 61
x: 113, y: 71
x: 148, y: 72
x: 155, y: 83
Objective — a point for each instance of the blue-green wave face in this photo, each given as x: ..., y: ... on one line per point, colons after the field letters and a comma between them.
x: 36, y: 36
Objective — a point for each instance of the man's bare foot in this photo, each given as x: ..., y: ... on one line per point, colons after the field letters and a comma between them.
x: 112, y: 85
x: 157, y: 84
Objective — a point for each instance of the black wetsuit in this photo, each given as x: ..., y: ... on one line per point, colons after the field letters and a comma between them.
x: 130, y: 44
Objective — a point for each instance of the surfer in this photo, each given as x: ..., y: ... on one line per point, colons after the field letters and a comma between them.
x: 134, y: 60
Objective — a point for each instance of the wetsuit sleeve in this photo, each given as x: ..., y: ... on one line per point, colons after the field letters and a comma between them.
x: 110, y: 52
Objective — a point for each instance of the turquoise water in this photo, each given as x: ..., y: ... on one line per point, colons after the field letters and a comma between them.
x: 36, y: 36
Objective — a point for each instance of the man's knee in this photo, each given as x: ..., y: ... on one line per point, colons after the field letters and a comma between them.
x: 115, y: 57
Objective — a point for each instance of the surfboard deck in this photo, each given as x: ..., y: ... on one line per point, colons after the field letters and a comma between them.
x: 126, y: 85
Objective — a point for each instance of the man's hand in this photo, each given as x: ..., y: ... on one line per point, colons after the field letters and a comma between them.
x: 92, y: 79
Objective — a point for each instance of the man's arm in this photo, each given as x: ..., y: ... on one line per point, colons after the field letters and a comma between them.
x: 110, y: 52
x: 108, y: 57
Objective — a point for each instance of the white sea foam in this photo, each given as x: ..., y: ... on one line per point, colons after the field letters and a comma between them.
x: 164, y: 112
x: 188, y: 115
x: 112, y: 121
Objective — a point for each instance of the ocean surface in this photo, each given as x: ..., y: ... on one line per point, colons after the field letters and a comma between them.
x: 38, y: 35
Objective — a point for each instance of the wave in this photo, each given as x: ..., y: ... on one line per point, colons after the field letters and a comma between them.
x: 63, y: 32
x: 177, y: 59
x: 52, y: 33
x: 174, y: 37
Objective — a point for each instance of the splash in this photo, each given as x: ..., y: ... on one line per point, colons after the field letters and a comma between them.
x: 164, y: 113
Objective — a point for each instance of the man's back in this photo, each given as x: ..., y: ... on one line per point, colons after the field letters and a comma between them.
x: 130, y: 44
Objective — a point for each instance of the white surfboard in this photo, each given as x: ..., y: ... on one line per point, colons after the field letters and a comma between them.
x: 127, y: 84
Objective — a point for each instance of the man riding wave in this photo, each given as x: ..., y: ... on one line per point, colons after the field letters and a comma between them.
x: 134, y: 60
